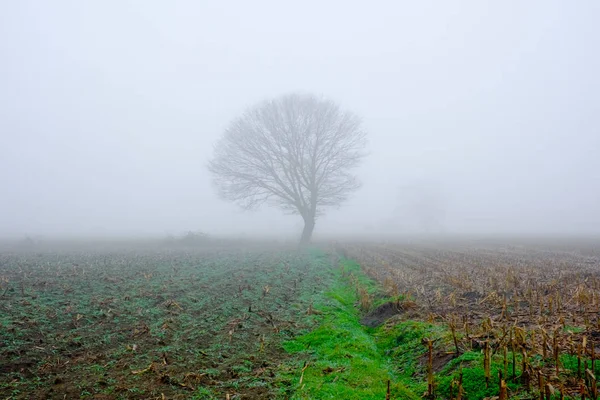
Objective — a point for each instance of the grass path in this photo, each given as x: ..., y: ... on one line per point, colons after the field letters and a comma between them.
x: 341, y: 357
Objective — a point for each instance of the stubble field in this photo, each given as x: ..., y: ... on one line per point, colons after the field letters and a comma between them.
x: 520, y: 317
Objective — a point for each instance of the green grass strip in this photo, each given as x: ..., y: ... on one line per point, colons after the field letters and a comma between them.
x: 344, y: 362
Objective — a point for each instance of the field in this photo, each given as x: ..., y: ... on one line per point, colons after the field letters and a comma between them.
x: 143, y: 324
x: 443, y: 320
x: 527, y: 312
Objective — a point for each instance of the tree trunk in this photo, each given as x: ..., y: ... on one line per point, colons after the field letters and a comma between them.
x: 309, y: 226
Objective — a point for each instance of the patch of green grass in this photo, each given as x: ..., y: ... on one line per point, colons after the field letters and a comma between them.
x: 573, y: 329
x: 344, y: 360
x: 203, y: 393
x: 568, y: 362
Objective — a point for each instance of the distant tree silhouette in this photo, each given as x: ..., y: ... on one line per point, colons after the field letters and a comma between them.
x: 296, y: 152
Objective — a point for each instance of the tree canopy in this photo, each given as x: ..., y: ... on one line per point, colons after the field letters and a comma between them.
x: 296, y: 152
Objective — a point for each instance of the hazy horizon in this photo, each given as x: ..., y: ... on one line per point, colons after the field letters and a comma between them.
x: 481, y: 118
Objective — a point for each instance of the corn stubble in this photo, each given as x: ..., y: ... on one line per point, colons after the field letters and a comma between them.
x: 536, y: 314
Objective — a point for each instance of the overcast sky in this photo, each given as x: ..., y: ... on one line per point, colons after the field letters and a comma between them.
x: 109, y: 110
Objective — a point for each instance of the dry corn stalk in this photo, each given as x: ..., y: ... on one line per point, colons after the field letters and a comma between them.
x: 503, y: 391
x: 486, y: 362
x: 388, y: 394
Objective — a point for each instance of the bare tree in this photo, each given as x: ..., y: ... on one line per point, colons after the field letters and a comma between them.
x: 296, y: 152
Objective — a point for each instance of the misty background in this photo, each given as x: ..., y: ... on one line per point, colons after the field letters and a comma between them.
x: 481, y: 117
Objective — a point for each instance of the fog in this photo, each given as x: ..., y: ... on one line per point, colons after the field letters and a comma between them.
x: 482, y: 117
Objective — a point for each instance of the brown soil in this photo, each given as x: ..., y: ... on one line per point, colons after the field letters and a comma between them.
x: 21, y: 367
x: 440, y: 359
x: 381, y: 314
